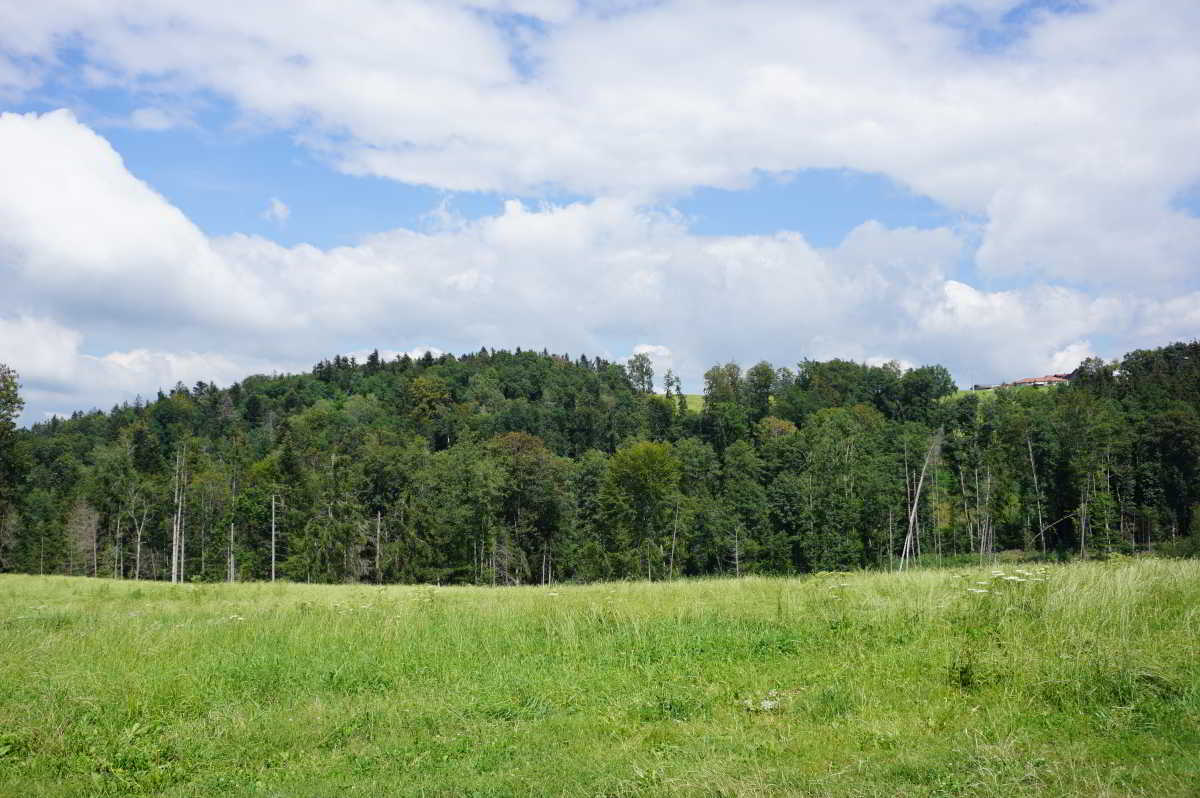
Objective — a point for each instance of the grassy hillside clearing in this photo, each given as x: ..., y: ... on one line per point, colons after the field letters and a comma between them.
x: 1071, y: 680
x: 990, y: 393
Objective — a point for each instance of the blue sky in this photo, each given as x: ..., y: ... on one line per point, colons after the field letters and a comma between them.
x: 1001, y: 187
x: 223, y: 175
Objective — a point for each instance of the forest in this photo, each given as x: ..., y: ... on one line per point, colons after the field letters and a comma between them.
x: 524, y: 467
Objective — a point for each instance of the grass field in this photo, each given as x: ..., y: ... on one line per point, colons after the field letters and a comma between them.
x: 1079, y: 680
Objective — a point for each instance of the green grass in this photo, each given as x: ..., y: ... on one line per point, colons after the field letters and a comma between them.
x: 990, y: 393
x: 1087, y: 684
x: 695, y: 402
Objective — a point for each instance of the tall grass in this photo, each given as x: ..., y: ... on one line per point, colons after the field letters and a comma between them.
x: 1081, y: 679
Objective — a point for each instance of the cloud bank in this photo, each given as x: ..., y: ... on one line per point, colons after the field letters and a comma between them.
x: 1070, y: 139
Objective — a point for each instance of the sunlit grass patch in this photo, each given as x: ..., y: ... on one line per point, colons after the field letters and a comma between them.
x: 1065, y: 680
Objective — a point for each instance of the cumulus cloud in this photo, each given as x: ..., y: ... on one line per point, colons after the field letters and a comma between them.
x: 1067, y: 136
x: 1069, y: 357
x: 77, y: 227
x: 57, y: 377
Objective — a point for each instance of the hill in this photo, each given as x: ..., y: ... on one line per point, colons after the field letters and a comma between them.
x: 502, y: 467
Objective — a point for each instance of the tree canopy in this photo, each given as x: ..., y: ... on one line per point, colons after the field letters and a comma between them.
x: 515, y: 467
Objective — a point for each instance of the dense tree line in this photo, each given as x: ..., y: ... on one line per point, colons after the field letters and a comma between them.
x: 517, y: 467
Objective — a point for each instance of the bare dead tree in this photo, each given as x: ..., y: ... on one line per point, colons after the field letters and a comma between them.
x: 140, y: 525
x: 176, y: 521
x: 1037, y: 493
x: 910, y: 539
x: 272, y: 537
x: 81, y: 526
x: 983, y: 503
x: 674, y: 535
x: 378, y: 544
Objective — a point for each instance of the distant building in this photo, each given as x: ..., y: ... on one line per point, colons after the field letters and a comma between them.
x: 1048, y: 379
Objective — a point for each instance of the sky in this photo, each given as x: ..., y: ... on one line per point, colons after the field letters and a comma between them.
x: 203, y: 191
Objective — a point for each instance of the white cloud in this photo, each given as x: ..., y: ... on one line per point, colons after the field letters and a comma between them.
x: 58, y: 378
x: 41, y: 350
x: 661, y: 359
x: 75, y: 225
x: 153, y: 119
x: 1068, y: 145
x: 277, y: 211
x: 1069, y: 357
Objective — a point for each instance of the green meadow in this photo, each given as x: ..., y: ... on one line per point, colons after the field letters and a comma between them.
x: 1079, y: 679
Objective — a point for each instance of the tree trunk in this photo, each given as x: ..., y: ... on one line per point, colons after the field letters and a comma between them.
x: 137, y: 559
x: 1037, y: 493
x: 910, y: 547
x: 737, y: 554
x: 674, y: 535
x: 272, y: 537
x: 182, y: 537
x: 177, y: 521
x: 117, y: 549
